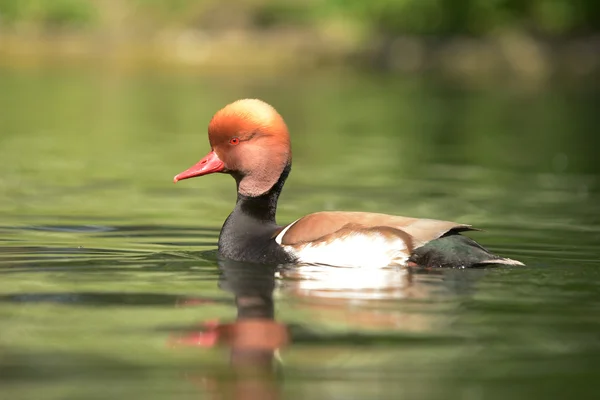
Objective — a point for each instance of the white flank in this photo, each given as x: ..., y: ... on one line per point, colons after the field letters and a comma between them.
x: 370, y: 250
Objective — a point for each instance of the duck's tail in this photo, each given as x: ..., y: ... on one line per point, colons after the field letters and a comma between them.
x: 454, y: 250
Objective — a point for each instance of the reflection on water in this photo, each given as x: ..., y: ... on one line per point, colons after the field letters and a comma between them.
x: 110, y: 286
x: 253, y: 339
x: 385, y: 283
x: 187, y: 323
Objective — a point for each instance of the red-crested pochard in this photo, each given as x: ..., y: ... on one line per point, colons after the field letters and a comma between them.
x: 250, y: 141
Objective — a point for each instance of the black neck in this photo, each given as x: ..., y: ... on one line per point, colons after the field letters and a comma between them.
x: 247, y: 234
x: 264, y: 207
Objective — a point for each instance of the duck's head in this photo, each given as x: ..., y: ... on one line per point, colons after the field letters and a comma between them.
x: 250, y: 141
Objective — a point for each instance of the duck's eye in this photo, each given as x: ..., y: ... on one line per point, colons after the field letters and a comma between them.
x: 234, y: 141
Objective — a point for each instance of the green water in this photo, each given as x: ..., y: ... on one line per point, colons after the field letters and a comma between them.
x: 106, y: 266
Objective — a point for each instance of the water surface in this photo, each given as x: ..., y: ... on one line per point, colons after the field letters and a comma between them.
x: 111, y: 286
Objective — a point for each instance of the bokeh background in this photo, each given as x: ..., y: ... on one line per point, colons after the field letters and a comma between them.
x: 531, y: 38
x: 478, y: 111
x: 100, y: 94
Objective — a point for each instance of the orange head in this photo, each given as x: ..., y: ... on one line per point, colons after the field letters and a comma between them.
x: 250, y: 141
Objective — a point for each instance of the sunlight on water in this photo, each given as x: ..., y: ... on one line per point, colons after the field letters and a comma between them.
x: 111, y: 285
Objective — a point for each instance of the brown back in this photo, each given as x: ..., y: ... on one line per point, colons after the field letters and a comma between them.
x: 315, y: 226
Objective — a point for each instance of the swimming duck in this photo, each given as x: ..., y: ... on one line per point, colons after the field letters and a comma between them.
x: 250, y: 141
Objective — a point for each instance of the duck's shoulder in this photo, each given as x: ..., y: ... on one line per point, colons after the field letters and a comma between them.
x: 316, y: 226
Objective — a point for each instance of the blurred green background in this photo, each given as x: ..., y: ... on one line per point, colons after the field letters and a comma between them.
x: 549, y: 17
x: 480, y: 111
x: 530, y: 38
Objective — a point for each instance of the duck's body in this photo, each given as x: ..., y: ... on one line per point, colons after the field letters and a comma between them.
x: 250, y: 141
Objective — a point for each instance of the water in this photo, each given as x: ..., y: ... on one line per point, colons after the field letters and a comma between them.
x: 111, y: 287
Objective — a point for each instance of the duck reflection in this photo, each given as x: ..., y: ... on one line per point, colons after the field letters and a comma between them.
x: 370, y: 304
x: 387, y: 300
x: 392, y: 283
x: 254, y: 338
x: 255, y: 335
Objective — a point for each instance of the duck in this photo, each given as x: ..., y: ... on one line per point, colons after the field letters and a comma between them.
x: 250, y: 141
